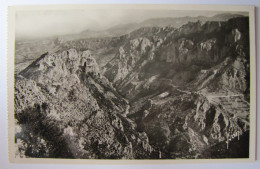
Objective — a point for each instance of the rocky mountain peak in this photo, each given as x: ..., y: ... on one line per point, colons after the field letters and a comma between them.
x: 62, y: 64
x: 75, y: 108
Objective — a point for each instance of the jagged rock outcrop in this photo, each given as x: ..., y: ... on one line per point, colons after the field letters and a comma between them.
x: 191, y: 27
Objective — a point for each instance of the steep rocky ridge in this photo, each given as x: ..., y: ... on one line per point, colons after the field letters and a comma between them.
x: 178, y: 55
x: 64, y: 108
x: 176, y: 22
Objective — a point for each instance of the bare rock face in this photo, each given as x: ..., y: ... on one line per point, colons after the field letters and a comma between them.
x: 207, y: 45
x: 191, y: 27
x: 125, y: 61
x: 89, y: 62
x: 222, y: 127
x: 235, y: 77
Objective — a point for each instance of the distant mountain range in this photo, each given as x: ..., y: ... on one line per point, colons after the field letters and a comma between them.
x: 123, y: 29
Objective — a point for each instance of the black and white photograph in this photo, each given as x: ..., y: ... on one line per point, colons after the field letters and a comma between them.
x: 132, y: 82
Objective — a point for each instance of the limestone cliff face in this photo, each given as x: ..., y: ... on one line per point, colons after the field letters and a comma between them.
x: 62, y: 100
x: 128, y: 57
x: 235, y: 78
x: 221, y: 123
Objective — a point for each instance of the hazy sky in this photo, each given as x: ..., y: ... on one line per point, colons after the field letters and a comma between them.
x: 52, y: 23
